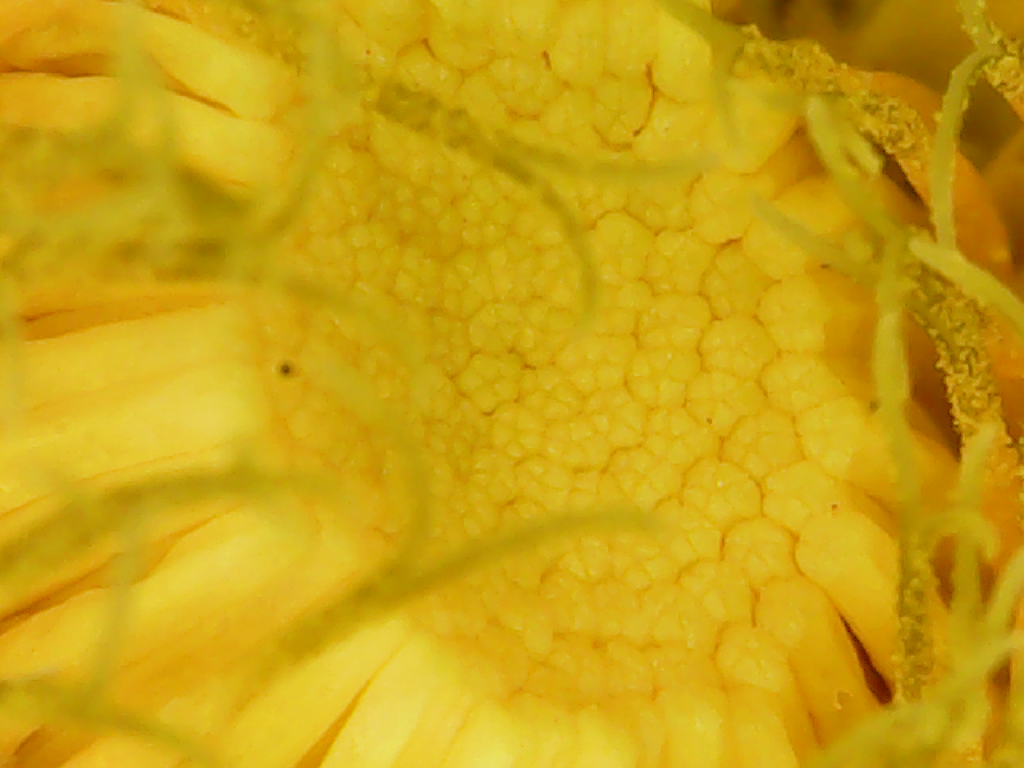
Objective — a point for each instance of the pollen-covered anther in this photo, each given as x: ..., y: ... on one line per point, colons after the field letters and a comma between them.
x: 981, y: 232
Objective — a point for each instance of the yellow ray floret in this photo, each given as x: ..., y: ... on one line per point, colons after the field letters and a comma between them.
x: 226, y: 98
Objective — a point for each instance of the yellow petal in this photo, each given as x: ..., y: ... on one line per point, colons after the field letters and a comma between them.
x: 232, y: 150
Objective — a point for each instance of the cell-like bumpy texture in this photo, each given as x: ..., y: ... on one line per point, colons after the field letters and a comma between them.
x: 722, y: 387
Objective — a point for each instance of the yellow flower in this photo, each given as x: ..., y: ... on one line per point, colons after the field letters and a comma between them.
x: 269, y: 473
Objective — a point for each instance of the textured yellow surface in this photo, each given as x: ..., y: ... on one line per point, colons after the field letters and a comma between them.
x: 723, y: 387
x: 705, y: 391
